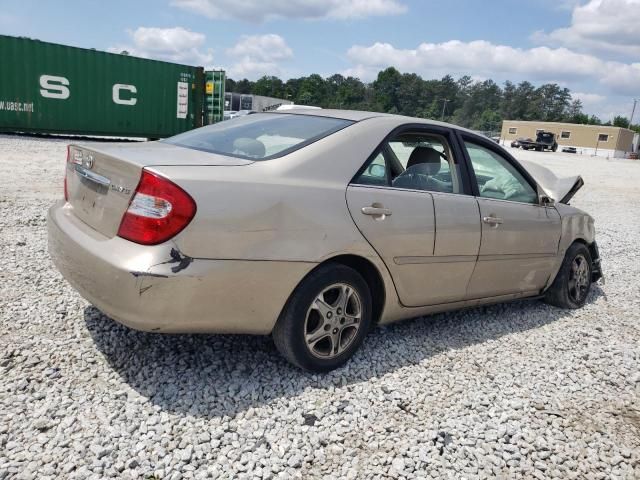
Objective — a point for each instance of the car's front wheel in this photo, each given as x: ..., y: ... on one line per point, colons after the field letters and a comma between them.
x: 325, y: 320
x: 573, y: 281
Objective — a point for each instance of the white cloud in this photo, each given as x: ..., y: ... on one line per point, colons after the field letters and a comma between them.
x: 482, y: 58
x: 589, y: 99
x: 261, y: 10
x: 611, y: 26
x: 623, y: 78
x: 257, y: 55
x: 175, y: 44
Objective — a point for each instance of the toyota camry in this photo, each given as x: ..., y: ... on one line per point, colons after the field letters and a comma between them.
x: 314, y: 226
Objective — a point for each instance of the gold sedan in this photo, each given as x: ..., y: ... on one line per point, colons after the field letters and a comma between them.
x: 314, y: 226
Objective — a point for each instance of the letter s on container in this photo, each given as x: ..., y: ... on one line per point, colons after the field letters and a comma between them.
x: 54, y: 87
x: 117, y: 88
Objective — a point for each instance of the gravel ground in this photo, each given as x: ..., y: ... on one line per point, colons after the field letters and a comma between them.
x: 518, y: 390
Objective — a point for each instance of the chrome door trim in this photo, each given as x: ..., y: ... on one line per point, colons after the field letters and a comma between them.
x: 515, y: 256
x: 444, y: 259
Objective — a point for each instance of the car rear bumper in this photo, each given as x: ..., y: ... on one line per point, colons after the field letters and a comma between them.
x: 156, y: 288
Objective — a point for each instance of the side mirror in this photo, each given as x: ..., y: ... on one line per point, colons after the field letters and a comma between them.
x: 547, y: 201
x: 377, y: 170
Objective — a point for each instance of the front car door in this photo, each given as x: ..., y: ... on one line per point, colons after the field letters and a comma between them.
x: 410, y: 202
x: 519, y: 235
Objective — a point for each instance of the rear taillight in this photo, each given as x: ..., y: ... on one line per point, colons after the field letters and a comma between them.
x: 66, y: 169
x: 158, y: 211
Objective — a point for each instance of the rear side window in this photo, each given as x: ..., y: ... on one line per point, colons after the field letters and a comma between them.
x: 260, y: 136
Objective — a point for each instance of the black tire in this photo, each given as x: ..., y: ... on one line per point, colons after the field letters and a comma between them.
x: 565, y: 291
x: 291, y: 329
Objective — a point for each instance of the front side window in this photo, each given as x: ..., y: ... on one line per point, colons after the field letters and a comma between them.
x: 497, y: 178
x: 416, y: 161
x: 259, y: 136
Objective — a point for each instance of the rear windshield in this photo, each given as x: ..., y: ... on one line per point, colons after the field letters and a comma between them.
x: 259, y: 136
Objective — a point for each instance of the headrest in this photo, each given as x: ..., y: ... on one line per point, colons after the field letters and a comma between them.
x: 249, y: 147
x: 427, y: 157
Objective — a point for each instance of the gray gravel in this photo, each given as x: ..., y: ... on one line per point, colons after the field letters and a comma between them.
x: 519, y: 390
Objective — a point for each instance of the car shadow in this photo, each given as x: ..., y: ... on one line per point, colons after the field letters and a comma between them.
x: 217, y: 375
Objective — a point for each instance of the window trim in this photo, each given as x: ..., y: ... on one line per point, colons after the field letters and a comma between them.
x: 603, y: 134
x: 562, y: 132
x: 449, y: 134
x: 491, y: 146
x: 514, y: 132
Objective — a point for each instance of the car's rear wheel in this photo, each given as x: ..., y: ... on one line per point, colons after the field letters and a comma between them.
x: 325, y: 320
x: 573, y: 281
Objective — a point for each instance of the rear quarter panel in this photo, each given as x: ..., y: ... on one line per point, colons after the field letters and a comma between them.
x: 291, y: 208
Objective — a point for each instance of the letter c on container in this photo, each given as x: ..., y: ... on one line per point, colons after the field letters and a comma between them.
x: 117, y: 88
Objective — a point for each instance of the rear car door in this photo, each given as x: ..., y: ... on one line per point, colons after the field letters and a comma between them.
x: 409, y: 202
x: 519, y: 235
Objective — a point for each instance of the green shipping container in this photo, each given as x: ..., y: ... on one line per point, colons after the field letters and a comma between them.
x: 214, y: 96
x: 46, y: 87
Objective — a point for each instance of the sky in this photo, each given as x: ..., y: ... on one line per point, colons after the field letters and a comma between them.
x: 591, y: 46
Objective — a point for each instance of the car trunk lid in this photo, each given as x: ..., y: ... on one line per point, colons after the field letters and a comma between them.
x: 101, y: 180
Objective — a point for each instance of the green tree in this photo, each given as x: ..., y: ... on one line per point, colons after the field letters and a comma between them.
x: 312, y: 91
x: 243, y: 86
x: 479, y: 105
x: 269, y: 86
x: 574, y: 113
x: 386, y: 88
x: 620, y: 121
x: 350, y: 94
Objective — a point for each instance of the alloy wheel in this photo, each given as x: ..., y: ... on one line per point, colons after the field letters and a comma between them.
x: 578, y: 278
x: 333, y: 321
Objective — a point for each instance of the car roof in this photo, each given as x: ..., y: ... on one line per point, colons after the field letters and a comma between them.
x: 359, y: 115
x: 353, y: 115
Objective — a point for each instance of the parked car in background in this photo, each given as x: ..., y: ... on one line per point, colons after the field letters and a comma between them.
x: 229, y: 114
x: 293, y: 106
x: 314, y: 226
x: 517, y: 143
x: 569, y: 150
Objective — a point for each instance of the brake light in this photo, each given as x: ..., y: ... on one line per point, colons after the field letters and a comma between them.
x: 158, y: 211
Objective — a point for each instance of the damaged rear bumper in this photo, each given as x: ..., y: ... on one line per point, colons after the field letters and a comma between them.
x: 157, y: 288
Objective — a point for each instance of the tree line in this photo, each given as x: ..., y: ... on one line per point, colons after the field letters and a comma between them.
x: 479, y: 105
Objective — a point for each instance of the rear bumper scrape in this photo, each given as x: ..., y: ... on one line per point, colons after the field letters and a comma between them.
x: 160, y: 289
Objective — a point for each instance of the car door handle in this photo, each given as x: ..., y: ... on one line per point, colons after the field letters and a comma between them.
x: 491, y: 220
x: 376, y: 211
